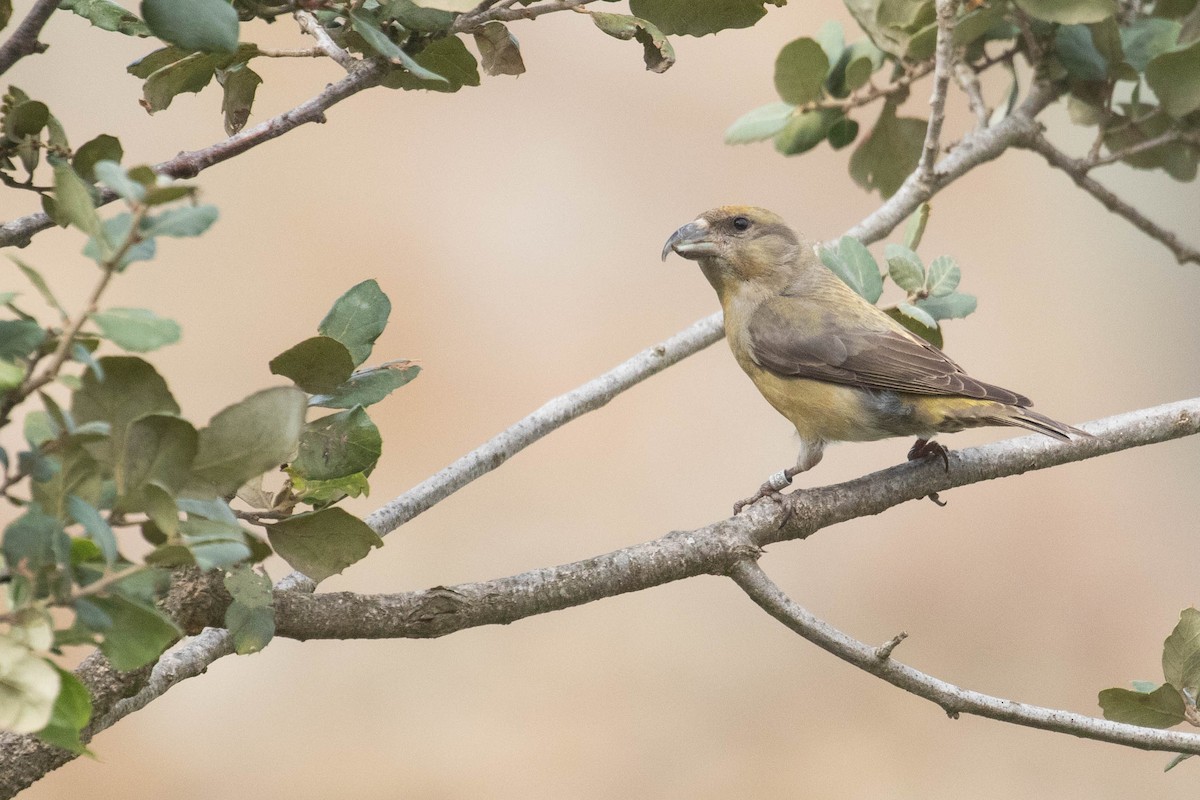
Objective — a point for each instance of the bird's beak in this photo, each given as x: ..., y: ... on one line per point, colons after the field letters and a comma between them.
x: 690, y: 241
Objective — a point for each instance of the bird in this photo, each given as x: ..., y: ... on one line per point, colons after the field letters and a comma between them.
x: 831, y: 363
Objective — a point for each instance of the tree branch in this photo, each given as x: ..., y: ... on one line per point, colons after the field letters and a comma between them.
x: 24, y: 40
x: 1077, y: 170
x: 309, y: 24
x: 713, y: 549
x: 943, y: 67
x: 189, y: 164
x: 953, y: 699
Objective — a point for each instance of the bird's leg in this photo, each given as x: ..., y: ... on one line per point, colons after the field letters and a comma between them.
x: 924, y: 448
x: 772, y: 489
x: 810, y: 455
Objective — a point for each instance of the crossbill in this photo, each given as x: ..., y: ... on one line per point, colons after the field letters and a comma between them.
x: 834, y: 365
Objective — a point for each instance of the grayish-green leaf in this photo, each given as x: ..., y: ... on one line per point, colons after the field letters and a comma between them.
x: 905, y: 268
x: 1079, y: 55
x: 917, y: 314
x: 689, y: 18
x: 357, y: 318
x: 40, y: 284
x: 210, y: 26
x: 138, y: 330
x: 322, y: 543
x: 1181, y: 653
x: 19, y: 338
x: 1161, y: 708
x: 851, y: 261
x: 448, y: 59
x: 131, y: 389
x: 1146, y: 38
x: 247, y: 439
x: 102, y: 148
x: 240, y: 84
x: 97, y: 529
x: 72, y: 712
x: 251, y: 617
x: 658, y: 53
x: 1069, y: 12
x: 805, y: 131
x: 932, y: 335
x: 889, y: 154
x: 842, y: 133
x: 759, y: 124
x: 800, y: 71
x: 367, y: 26
x: 338, y: 445
x: 107, y: 16
x: 368, y: 386
x: 29, y: 686
x: 1175, y: 78
x: 944, y: 276
x: 113, y: 175
x: 914, y: 229
x: 185, y: 221
x: 318, y: 365
x: 73, y: 201
x: 498, y: 50
x: 135, y: 635
x: 158, y: 454
x: 950, y: 306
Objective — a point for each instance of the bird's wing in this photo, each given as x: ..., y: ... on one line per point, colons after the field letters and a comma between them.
x: 869, y: 356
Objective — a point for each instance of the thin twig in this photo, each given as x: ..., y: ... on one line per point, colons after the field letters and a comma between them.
x: 1164, y: 138
x: 968, y: 81
x: 309, y: 52
x: 855, y: 100
x: 943, y: 67
x: 24, y: 40
x: 504, y: 12
x: 953, y: 699
x: 1077, y: 170
x: 309, y: 24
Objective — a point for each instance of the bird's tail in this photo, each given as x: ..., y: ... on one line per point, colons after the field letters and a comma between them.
x: 1031, y: 420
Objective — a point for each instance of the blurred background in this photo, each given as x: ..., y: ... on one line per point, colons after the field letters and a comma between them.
x: 517, y: 227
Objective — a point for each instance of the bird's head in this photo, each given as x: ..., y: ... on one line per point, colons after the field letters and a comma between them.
x: 737, y: 244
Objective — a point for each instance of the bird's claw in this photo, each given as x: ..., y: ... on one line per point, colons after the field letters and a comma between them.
x: 924, y: 448
x: 771, y: 489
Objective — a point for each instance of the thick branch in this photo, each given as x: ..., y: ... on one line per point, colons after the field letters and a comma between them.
x: 1077, y: 169
x: 24, y: 40
x: 189, y: 164
x: 712, y: 549
x: 953, y: 699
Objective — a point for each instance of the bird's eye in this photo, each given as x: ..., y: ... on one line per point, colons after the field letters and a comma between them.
x: 741, y: 223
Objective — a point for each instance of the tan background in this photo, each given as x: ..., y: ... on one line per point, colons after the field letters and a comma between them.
x: 517, y: 228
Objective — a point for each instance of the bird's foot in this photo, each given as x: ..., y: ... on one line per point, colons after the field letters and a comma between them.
x: 771, y: 489
x: 924, y: 448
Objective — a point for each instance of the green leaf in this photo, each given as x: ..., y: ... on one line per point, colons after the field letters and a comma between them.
x: 247, y: 439
x: 185, y: 221
x: 1177, y: 159
x: 905, y: 268
x: 210, y: 26
x: 917, y: 315
x: 170, y: 71
x: 134, y: 634
x: 944, y: 276
x: 851, y: 261
x: 832, y: 39
x: 800, y: 71
x: 40, y: 284
x: 1175, y: 78
x: 759, y: 124
x: 689, y: 18
x: 212, y: 544
x: 19, y: 338
x: 950, y: 306
x: 102, y: 148
x: 136, y: 329
x: 1079, y: 55
x: 158, y: 454
x: 322, y: 543
x: 338, y: 445
x: 1069, y: 12
x: 1146, y: 38
x: 357, y: 318
x: 900, y: 28
x: 1161, y: 708
x: 842, y: 133
x: 448, y: 5
x: 498, y: 50
x: 37, y: 541
x: 805, y: 131
x: 107, y: 16
x: 1176, y: 761
x: 113, y: 175
x: 1145, y: 687
x: 250, y: 618
x: 367, y: 26
x: 659, y: 54
x: 889, y: 154
x: 75, y: 472
x: 931, y: 335
x: 1181, y: 653
x: 97, y: 529
x: 415, y: 18
x: 862, y: 59
x: 116, y: 229
x: 447, y: 59
x: 24, y: 119
x: 368, y: 386
x: 73, y: 202
x: 71, y: 714
x: 28, y: 688
x: 915, y: 228
x: 318, y: 365
x: 131, y: 389
x: 240, y: 84
x: 11, y: 375
x: 321, y: 493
